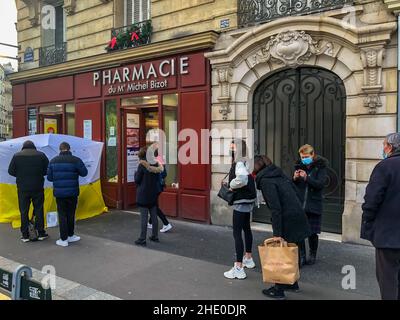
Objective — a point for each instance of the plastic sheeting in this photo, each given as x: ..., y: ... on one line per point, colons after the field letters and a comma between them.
x: 91, y: 202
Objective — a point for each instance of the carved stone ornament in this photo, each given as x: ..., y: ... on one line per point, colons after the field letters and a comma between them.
x: 373, y: 102
x: 33, y: 7
x: 292, y: 49
x: 224, y: 77
x: 69, y: 6
x: 372, y: 59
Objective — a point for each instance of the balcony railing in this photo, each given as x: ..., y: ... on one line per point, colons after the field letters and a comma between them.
x: 135, y: 35
x: 52, y: 55
x: 253, y: 12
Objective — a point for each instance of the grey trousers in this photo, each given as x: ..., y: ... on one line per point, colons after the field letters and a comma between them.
x: 144, y: 218
x: 388, y: 273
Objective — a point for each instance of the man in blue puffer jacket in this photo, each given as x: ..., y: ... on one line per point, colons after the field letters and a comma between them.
x: 64, y: 171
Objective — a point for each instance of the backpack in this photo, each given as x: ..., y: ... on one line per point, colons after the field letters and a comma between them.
x: 33, y: 233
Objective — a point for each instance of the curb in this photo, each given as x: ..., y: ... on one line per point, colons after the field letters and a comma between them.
x: 65, y: 289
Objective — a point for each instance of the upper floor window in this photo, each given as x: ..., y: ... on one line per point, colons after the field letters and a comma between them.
x: 136, y: 11
x: 53, y: 48
x: 54, y: 32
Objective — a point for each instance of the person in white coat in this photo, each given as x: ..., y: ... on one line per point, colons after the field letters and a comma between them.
x: 245, y: 195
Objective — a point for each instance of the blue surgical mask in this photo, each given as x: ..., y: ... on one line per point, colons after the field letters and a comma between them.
x: 307, y: 161
x: 384, y: 154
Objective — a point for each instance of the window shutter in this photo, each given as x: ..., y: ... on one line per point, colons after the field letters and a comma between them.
x: 128, y: 13
x: 137, y: 11
x: 146, y: 9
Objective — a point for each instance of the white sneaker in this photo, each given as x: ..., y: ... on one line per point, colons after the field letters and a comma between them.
x: 74, y: 238
x: 149, y: 226
x: 248, y: 263
x: 166, y: 228
x: 235, y: 273
x: 62, y: 243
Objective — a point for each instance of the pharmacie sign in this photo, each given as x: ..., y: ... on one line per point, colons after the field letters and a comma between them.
x: 156, y: 75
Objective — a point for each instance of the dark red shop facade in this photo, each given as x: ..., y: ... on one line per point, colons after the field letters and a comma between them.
x: 124, y: 105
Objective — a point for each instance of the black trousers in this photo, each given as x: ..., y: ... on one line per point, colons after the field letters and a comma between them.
x: 302, y: 250
x: 24, y: 201
x: 66, y: 216
x: 241, y: 223
x: 144, y: 217
x: 161, y: 215
x: 388, y: 273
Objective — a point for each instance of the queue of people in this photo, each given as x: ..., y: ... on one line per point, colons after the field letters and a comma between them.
x: 295, y: 204
x: 30, y: 166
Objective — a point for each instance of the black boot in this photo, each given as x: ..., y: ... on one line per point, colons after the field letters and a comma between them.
x: 302, y: 254
x: 313, y: 242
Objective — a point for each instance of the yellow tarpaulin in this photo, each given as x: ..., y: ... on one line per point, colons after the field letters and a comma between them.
x: 90, y: 203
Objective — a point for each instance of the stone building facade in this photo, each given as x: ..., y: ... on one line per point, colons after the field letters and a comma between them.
x: 357, y: 45
x: 88, y: 24
x: 5, y: 104
x: 323, y: 75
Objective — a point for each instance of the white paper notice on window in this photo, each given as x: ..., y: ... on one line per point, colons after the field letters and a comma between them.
x: 132, y: 163
x: 87, y: 129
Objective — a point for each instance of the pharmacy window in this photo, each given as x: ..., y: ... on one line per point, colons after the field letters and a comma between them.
x: 137, y: 11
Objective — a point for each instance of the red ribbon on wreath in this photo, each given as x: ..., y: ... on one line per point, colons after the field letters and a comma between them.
x: 113, y: 43
x: 134, y: 36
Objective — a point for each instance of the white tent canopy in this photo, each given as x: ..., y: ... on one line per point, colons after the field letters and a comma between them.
x: 89, y: 151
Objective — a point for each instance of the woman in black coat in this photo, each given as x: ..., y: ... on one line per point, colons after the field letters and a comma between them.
x: 289, y: 222
x: 147, y: 181
x: 310, y: 178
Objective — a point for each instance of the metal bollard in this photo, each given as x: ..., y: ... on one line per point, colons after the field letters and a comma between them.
x: 16, y: 281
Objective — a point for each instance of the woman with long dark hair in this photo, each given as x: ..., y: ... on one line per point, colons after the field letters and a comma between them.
x: 289, y: 222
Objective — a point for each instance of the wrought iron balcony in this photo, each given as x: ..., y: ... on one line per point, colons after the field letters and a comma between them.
x: 253, y: 12
x: 132, y: 36
x: 52, y: 55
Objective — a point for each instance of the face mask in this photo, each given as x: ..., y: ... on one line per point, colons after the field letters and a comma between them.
x: 307, y: 161
x: 384, y: 155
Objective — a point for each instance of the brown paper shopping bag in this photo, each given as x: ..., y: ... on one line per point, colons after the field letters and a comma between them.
x: 279, y: 261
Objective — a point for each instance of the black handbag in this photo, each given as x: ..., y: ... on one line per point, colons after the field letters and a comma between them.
x: 225, y: 193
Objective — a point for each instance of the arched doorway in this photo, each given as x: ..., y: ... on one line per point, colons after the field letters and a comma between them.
x: 298, y: 106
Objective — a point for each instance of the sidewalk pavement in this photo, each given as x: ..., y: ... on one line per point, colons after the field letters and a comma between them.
x: 188, y: 263
x: 65, y: 289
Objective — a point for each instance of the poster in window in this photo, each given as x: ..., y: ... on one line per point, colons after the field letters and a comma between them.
x: 133, y: 138
x: 87, y: 129
x: 50, y: 126
x: 132, y: 163
x: 132, y: 121
x: 32, y: 126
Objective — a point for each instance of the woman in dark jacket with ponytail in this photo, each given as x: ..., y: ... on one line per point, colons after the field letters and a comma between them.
x: 289, y: 222
x: 310, y: 178
x: 147, y: 181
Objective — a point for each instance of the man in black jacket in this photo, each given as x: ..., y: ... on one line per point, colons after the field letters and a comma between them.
x: 29, y: 167
x: 381, y: 218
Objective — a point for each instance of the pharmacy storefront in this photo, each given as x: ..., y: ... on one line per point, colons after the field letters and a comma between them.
x: 124, y: 105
